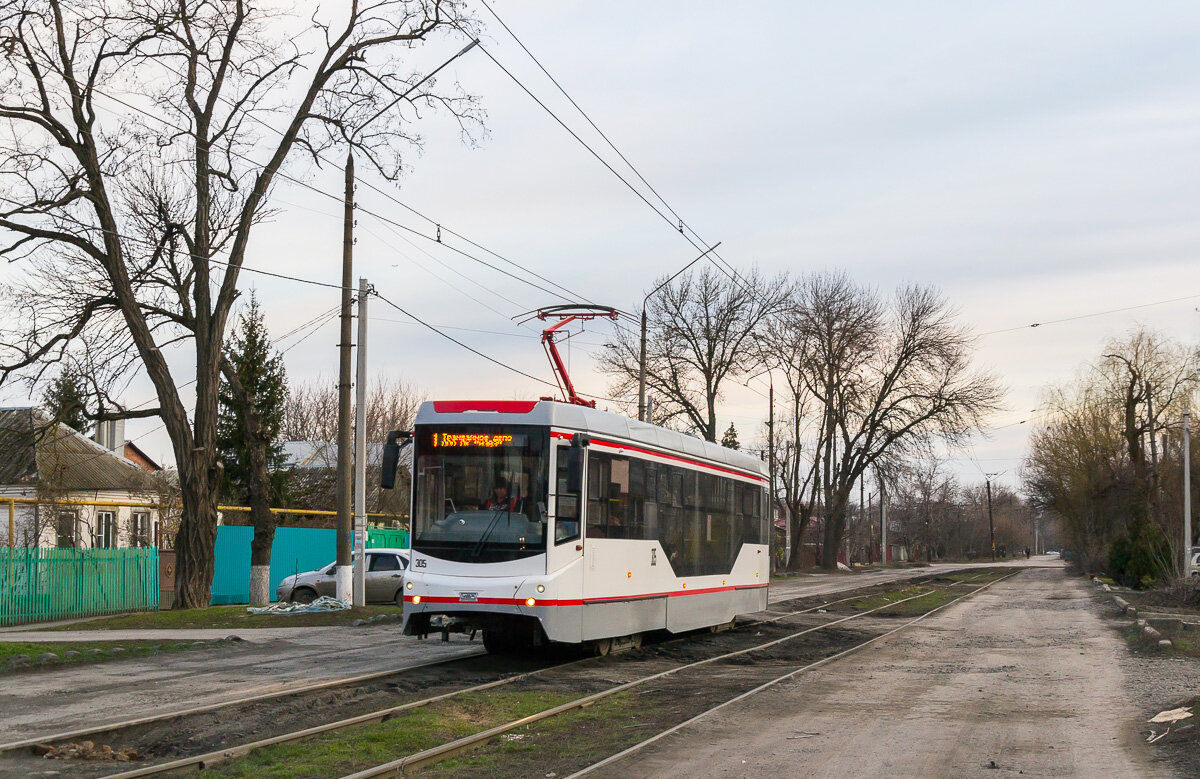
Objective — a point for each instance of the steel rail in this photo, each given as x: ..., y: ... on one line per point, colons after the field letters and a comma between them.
x: 766, y: 685
x: 435, y: 754
x: 220, y: 755
x: 211, y: 758
x: 216, y: 756
x: 281, y: 693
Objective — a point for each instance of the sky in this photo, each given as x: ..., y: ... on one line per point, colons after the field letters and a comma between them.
x: 1035, y: 161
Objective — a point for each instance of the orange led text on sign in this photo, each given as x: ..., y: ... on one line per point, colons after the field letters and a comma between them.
x: 485, y: 440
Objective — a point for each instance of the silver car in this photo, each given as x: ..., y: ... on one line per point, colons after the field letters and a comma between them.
x: 384, y: 579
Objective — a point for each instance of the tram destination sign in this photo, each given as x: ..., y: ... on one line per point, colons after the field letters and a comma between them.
x: 444, y: 440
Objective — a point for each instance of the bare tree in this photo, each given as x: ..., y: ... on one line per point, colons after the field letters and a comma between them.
x: 888, y: 377
x: 140, y: 145
x: 310, y: 415
x: 699, y: 335
x: 798, y: 442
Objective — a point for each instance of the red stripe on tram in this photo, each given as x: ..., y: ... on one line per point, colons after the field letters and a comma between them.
x: 582, y: 601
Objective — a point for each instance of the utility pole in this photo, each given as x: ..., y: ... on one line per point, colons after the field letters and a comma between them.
x: 787, y: 524
x: 991, y: 525
x: 870, y: 529
x: 1187, y: 496
x: 642, y: 369
x: 649, y: 410
x: 344, y: 576
x: 360, y: 451
x: 883, y: 523
x: 862, y: 508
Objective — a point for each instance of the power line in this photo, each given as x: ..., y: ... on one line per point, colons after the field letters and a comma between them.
x: 1089, y: 316
x: 471, y: 349
x: 678, y: 224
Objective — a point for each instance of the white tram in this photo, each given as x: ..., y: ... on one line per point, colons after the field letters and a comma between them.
x: 541, y: 520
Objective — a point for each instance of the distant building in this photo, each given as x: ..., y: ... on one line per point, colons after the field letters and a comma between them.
x: 65, y: 490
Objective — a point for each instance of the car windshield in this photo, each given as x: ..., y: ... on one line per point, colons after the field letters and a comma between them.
x: 480, y: 492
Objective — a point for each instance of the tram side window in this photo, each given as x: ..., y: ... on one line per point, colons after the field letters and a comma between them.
x: 611, y: 510
x: 566, y: 504
x: 749, y: 499
x: 700, y: 519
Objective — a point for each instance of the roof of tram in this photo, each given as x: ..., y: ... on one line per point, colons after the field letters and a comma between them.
x: 603, y: 424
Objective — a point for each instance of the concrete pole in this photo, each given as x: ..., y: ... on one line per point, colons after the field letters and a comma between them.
x: 12, y: 523
x: 991, y: 525
x: 360, y: 451
x: 344, y: 520
x: 642, y: 370
x: 883, y: 522
x: 1187, y: 495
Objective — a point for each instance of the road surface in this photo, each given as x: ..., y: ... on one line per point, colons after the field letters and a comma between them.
x: 1023, y: 679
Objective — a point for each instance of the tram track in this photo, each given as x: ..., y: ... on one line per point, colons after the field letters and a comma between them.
x: 442, y: 752
x: 213, y: 757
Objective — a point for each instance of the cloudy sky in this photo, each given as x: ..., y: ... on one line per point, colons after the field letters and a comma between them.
x: 1035, y: 161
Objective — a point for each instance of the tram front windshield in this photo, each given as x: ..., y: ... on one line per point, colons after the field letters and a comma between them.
x: 480, y: 492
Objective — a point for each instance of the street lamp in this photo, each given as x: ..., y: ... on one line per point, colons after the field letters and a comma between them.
x: 642, y: 363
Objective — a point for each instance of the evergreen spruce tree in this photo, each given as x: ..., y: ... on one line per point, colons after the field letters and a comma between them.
x: 65, y: 400
x: 730, y: 439
x: 252, y: 394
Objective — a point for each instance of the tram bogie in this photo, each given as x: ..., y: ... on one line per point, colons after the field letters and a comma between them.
x: 544, y: 521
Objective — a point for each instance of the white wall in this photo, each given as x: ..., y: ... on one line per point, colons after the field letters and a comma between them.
x: 28, y: 517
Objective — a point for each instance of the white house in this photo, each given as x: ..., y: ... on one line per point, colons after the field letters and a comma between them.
x: 60, y: 489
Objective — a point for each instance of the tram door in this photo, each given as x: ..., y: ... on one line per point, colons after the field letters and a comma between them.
x: 566, y: 543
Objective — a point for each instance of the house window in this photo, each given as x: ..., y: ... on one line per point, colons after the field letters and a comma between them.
x: 106, y: 529
x: 143, y: 532
x: 66, y: 524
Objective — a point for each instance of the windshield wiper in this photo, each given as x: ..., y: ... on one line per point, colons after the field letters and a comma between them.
x: 478, y: 550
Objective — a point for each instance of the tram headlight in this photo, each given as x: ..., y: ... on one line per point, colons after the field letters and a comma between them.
x: 416, y: 599
x: 408, y: 586
x: 530, y: 602
x: 541, y: 588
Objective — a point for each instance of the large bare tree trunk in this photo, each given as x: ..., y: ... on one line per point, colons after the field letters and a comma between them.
x: 197, y: 533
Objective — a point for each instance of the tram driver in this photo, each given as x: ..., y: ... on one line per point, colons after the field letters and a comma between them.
x: 501, y: 500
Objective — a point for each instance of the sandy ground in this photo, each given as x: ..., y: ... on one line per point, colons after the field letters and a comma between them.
x: 1022, y: 679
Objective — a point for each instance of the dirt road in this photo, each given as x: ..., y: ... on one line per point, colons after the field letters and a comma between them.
x: 1022, y: 679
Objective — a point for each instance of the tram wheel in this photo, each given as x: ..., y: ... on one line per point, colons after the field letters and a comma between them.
x: 602, y: 647
x: 498, y: 642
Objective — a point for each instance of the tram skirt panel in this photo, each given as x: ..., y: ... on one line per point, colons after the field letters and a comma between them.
x: 689, y: 612
x: 623, y: 618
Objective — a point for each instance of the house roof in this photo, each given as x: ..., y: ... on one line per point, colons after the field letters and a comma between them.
x: 34, y: 450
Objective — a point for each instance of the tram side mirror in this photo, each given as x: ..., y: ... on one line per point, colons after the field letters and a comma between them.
x: 575, y: 463
x: 391, y: 458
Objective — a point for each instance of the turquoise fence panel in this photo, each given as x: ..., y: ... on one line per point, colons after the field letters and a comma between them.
x: 300, y: 549
x: 393, y: 538
x: 231, y: 565
x: 39, y: 584
x: 294, y: 550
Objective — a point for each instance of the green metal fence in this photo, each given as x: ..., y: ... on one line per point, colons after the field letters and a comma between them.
x: 39, y: 584
x: 381, y: 537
